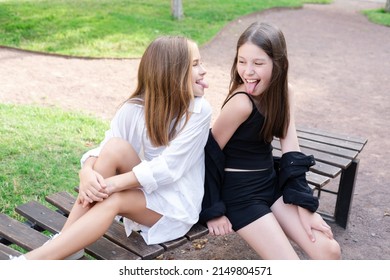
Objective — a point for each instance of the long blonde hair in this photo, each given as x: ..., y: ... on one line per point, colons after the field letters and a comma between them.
x: 273, y: 103
x: 164, y: 85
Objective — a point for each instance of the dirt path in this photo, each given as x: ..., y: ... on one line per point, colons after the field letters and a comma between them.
x: 340, y: 67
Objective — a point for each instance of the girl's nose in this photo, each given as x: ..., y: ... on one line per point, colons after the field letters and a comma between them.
x: 203, y: 69
x: 250, y: 71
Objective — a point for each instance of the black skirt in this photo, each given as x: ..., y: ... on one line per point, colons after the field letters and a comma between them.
x: 249, y: 195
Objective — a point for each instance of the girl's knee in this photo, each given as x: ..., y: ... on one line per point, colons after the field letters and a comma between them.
x: 333, y: 250
x: 112, y: 202
x: 329, y: 251
x: 116, y: 145
x: 117, y: 156
x: 125, y: 201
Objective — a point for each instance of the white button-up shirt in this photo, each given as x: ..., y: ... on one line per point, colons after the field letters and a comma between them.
x: 171, y: 177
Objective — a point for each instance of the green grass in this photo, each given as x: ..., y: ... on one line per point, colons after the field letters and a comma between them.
x: 120, y: 28
x: 40, y: 151
x: 379, y: 16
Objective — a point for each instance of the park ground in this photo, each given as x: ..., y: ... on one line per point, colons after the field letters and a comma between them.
x: 339, y: 67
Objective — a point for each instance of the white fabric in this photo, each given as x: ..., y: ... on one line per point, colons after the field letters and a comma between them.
x: 171, y: 177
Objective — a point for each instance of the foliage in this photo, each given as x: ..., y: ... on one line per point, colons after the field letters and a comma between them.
x: 120, y: 28
x: 379, y: 16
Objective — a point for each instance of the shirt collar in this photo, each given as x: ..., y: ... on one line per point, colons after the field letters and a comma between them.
x: 196, y: 104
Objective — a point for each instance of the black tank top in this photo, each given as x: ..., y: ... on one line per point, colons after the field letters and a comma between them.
x: 247, y: 149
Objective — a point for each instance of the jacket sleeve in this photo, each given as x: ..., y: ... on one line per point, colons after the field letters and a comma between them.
x: 212, y: 204
x: 292, y: 180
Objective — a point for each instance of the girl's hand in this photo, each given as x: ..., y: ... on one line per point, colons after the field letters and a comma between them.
x: 219, y: 226
x: 312, y: 221
x: 92, y: 186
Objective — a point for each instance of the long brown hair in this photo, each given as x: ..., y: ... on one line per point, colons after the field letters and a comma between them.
x: 164, y: 85
x: 273, y: 103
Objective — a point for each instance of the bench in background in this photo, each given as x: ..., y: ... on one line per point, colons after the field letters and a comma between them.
x: 113, y: 245
x: 336, y: 158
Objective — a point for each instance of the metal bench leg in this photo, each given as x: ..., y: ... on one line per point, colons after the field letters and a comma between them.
x: 345, y: 193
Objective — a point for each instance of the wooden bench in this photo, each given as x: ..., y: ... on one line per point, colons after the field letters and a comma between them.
x: 336, y: 158
x: 114, y: 245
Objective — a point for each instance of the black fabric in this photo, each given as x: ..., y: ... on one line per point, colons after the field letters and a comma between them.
x: 248, y: 195
x: 246, y: 148
x: 212, y: 204
x: 292, y: 180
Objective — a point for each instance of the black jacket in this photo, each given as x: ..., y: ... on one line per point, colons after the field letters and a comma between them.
x: 292, y: 180
x: 212, y: 205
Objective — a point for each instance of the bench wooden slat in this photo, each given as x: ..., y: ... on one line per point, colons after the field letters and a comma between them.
x: 116, y: 232
x: 323, y: 147
x: 326, y: 169
x: 169, y: 245
x: 331, y: 134
x: 135, y: 242
x: 328, y: 158
x: 42, y: 216
x: 335, y: 150
x: 342, y: 143
x: 62, y: 201
x: 196, y: 232
x: 320, y: 167
x: 6, y: 251
x: 107, y: 250
x: 20, y: 234
x: 321, y: 156
x: 316, y: 179
x: 53, y: 222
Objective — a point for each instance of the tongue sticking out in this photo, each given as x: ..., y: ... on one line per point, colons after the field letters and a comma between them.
x: 250, y: 87
x: 203, y: 83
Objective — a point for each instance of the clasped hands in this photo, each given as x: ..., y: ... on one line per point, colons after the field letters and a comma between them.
x: 93, y: 187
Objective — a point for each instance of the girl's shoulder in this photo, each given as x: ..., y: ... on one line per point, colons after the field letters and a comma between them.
x: 239, y: 104
x: 241, y: 99
x: 242, y: 95
x: 129, y: 111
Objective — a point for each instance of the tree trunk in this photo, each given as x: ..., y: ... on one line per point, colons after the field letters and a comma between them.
x: 387, y: 7
x: 177, y: 9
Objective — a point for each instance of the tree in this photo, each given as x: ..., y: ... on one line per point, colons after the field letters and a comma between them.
x: 387, y: 7
x: 177, y: 9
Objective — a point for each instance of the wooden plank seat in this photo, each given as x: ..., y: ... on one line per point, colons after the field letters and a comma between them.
x: 113, y: 245
x: 336, y: 158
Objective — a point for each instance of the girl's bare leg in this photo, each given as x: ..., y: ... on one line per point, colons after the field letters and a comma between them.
x: 267, y: 238
x: 323, y: 248
x: 116, y: 157
x: 86, y: 225
x: 93, y: 224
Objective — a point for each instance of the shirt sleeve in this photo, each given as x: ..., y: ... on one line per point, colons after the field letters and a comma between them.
x: 181, y: 154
